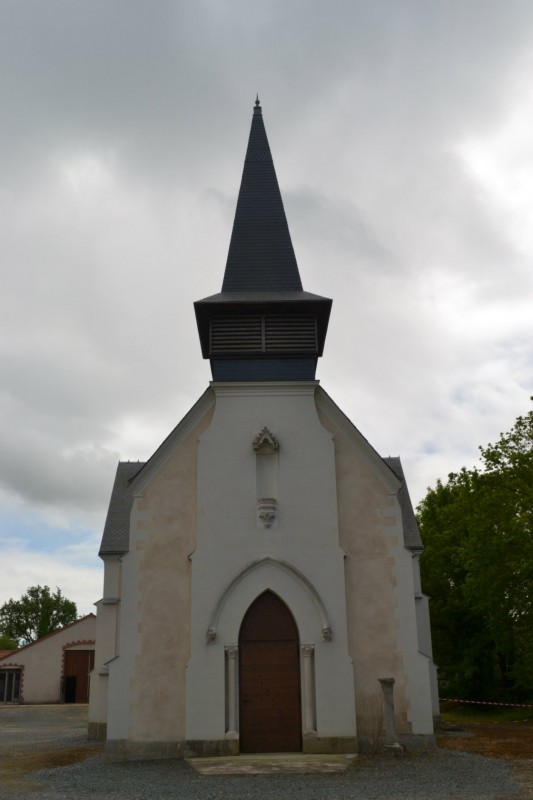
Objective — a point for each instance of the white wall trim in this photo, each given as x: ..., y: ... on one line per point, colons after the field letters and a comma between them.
x: 284, y: 566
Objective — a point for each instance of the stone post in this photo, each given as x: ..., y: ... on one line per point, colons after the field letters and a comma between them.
x: 231, y: 655
x: 392, y: 744
x: 307, y: 651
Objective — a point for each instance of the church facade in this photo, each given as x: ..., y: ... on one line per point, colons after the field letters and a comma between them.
x: 261, y: 581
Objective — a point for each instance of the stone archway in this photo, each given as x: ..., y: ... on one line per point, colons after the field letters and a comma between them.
x: 269, y: 678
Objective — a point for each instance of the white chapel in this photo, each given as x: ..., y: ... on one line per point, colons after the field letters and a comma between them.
x: 261, y: 589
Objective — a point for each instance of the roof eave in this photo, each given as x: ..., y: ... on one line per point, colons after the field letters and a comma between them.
x: 205, y: 309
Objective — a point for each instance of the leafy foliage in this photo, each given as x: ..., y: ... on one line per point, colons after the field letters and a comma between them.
x: 477, y: 567
x: 7, y: 643
x: 37, y: 613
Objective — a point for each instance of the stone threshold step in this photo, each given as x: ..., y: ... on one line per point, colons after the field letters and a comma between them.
x: 272, y: 763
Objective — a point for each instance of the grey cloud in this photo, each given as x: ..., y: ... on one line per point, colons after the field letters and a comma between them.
x: 141, y: 78
x: 336, y: 225
x: 364, y: 103
x: 36, y: 469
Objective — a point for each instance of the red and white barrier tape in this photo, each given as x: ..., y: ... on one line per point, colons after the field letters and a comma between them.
x: 483, y: 703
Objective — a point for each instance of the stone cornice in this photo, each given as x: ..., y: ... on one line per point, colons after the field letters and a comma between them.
x: 264, y: 388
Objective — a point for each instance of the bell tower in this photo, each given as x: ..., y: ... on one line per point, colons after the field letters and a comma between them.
x: 262, y: 326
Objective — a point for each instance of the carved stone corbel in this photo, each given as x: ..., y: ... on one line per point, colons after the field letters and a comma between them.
x: 266, y: 511
x: 326, y: 634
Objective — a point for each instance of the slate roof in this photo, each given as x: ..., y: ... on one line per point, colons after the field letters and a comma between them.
x: 115, y: 539
x: 411, y: 534
x: 261, y: 297
x: 261, y: 256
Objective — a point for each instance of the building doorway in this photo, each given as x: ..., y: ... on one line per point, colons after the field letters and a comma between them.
x: 9, y: 685
x: 78, y: 664
x: 269, y: 678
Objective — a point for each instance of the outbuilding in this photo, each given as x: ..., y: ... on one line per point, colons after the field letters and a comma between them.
x: 54, y: 669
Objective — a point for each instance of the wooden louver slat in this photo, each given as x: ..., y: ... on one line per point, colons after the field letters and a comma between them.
x: 283, y: 333
x: 237, y: 334
x: 263, y: 333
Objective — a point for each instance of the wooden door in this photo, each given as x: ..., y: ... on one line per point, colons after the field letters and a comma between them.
x: 269, y: 679
x: 78, y: 664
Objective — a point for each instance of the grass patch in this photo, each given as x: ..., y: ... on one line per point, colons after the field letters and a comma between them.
x: 495, y: 732
x: 457, y: 714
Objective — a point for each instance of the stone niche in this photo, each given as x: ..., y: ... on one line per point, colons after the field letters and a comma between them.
x: 266, y: 448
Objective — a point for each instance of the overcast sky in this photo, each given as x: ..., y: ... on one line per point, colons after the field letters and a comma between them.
x: 402, y: 135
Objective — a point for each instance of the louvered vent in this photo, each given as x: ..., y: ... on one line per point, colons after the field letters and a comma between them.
x: 294, y: 334
x: 263, y: 333
x: 234, y: 334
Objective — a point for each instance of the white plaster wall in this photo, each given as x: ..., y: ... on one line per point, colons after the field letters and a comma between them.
x: 306, y: 537
x: 107, y: 617
x: 415, y: 664
x: 416, y: 574
x: 43, y: 660
x: 424, y: 636
x: 121, y: 667
x: 424, y: 632
x: 112, y: 577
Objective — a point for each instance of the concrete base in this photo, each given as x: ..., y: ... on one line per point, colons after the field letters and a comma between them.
x: 322, y: 745
x: 210, y: 748
x: 414, y: 743
x: 97, y: 731
x: 126, y: 750
x: 272, y: 763
x: 409, y: 742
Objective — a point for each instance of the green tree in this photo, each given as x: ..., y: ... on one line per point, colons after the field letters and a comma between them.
x: 6, y: 643
x: 477, y: 566
x: 37, y: 613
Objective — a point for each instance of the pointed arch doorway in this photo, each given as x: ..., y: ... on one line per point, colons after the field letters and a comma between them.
x: 269, y: 678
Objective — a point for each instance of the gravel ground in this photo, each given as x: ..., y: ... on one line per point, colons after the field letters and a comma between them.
x: 43, y: 731
x: 441, y: 776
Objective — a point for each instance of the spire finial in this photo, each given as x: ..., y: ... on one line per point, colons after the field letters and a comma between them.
x: 257, y: 107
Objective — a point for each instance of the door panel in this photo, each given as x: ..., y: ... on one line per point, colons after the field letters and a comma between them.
x: 78, y: 664
x: 269, y: 678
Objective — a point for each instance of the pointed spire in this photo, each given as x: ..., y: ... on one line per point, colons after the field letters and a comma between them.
x: 262, y: 326
x: 261, y: 257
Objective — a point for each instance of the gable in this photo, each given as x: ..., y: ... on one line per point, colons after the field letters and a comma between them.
x: 86, y: 624
x: 202, y: 407
x: 388, y: 471
x: 132, y: 476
